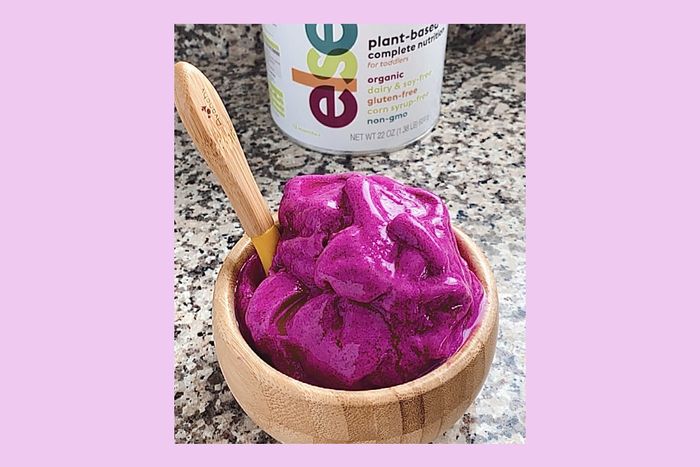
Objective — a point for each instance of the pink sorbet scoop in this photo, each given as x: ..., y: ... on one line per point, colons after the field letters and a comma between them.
x: 367, y: 288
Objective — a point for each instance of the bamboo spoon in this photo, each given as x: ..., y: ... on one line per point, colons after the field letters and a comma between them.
x: 206, y: 120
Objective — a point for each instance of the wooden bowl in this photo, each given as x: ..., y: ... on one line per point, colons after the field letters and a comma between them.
x: 295, y: 412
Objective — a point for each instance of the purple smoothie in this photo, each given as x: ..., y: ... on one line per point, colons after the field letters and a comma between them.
x: 367, y: 288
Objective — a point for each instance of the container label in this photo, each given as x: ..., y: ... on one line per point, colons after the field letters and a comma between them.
x: 350, y: 88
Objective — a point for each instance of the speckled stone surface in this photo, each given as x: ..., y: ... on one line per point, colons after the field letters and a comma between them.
x: 474, y: 159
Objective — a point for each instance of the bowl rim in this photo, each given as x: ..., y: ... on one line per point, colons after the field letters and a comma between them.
x: 224, y: 312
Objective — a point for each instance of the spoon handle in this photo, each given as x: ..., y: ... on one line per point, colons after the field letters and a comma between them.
x: 206, y: 120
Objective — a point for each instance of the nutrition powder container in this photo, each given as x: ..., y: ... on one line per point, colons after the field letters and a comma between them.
x: 349, y: 88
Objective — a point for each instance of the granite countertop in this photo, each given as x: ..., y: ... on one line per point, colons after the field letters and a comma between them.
x: 474, y: 159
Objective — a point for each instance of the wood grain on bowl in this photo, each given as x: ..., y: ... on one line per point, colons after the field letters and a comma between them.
x: 295, y: 412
